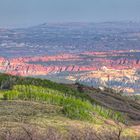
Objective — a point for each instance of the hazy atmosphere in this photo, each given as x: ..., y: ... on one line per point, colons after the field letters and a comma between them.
x: 69, y: 69
x: 32, y: 12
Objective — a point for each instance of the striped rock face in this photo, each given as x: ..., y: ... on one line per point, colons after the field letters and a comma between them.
x: 117, y: 69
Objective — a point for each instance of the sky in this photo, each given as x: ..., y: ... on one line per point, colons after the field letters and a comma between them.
x: 20, y: 13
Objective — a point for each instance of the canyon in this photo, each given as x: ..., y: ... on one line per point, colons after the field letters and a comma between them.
x: 87, y: 61
x: 114, y: 69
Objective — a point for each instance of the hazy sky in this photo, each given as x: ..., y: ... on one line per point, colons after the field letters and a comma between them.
x: 32, y: 12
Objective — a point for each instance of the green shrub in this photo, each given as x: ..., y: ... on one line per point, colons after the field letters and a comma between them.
x: 54, y: 93
x: 73, y: 107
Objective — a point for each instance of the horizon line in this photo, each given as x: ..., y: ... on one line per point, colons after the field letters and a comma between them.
x: 66, y: 22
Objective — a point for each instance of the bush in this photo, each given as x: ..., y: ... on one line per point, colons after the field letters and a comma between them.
x: 74, y: 108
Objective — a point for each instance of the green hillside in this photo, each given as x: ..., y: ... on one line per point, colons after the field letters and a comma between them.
x: 58, y: 111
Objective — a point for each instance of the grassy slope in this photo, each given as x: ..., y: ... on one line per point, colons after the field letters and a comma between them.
x: 36, y: 113
x: 116, y: 101
x: 42, y: 114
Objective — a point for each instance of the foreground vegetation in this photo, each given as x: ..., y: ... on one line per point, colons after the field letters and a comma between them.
x: 28, y: 120
x: 76, y: 105
x: 40, y: 109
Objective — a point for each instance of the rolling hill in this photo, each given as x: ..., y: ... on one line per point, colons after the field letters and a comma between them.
x: 40, y: 109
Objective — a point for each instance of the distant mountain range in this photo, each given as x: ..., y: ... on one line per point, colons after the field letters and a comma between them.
x: 69, y: 37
